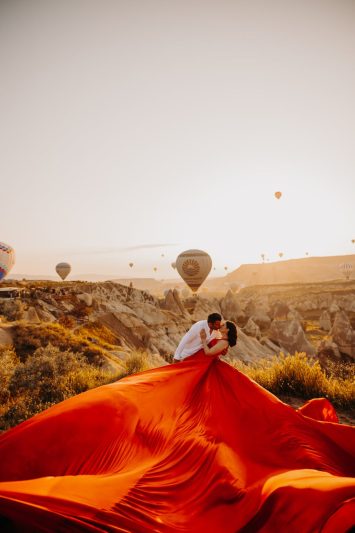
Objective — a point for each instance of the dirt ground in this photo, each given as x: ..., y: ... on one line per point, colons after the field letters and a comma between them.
x: 345, y: 416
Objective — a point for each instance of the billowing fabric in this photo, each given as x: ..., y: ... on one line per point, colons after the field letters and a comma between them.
x: 190, y: 447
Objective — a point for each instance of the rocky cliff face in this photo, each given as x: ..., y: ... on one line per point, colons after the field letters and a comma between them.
x: 136, y: 319
x: 269, y: 320
x: 314, y: 318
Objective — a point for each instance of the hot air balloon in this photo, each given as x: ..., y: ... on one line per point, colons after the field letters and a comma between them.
x: 353, y: 241
x: 307, y: 253
x: 63, y: 269
x: 280, y: 254
x: 194, y: 267
x: 262, y: 257
x: 7, y: 259
x: 346, y: 269
x: 131, y: 264
x: 225, y: 268
x: 173, y: 265
x: 278, y: 195
x: 155, y: 269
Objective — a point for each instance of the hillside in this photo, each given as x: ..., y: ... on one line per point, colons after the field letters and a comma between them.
x: 60, y: 338
x: 305, y: 270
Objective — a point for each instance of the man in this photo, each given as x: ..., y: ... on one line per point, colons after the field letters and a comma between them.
x: 191, y: 341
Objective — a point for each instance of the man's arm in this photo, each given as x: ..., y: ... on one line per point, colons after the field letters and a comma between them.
x: 193, y: 332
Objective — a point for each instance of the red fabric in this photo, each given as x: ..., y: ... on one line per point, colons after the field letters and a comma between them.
x: 195, y: 447
x: 320, y: 409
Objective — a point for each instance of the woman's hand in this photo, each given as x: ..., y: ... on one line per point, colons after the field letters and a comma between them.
x: 203, y: 335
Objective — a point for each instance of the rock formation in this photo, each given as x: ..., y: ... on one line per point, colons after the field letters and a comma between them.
x: 252, y: 329
x: 230, y: 307
x: 289, y: 335
x: 343, y: 334
x: 325, y: 322
x: 327, y: 350
x: 261, y: 318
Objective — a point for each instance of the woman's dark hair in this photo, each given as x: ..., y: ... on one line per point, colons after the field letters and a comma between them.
x: 232, y: 333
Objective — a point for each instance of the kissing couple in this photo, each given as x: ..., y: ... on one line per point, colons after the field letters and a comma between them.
x: 211, y: 337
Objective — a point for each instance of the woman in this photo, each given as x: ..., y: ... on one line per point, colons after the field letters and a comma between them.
x: 228, y: 332
x: 193, y: 447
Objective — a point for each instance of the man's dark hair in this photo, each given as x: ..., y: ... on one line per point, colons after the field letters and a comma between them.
x: 214, y: 317
x: 232, y: 333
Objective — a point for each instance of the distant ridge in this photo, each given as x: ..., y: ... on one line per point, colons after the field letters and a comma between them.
x: 303, y: 270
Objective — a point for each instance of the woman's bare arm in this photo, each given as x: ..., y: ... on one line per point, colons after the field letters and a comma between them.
x: 217, y: 348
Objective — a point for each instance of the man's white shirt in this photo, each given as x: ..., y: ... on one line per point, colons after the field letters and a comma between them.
x: 191, y: 341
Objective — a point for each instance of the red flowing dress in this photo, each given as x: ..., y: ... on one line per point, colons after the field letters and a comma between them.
x: 190, y: 447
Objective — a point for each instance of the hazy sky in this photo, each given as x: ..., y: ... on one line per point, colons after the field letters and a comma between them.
x: 172, y: 123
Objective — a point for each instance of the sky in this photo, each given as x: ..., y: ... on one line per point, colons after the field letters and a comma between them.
x: 135, y: 129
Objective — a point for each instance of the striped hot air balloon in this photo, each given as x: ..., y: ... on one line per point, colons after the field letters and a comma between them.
x: 194, y: 267
x: 63, y: 270
x: 346, y: 269
x: 7, y: 259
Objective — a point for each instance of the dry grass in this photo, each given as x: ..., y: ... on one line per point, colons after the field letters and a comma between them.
x: 101, y: 333
x: 137, y: 362
x: 34, y: 376
x: 313, y: 332
x: 46, y: 377
x: 28, y: 338
x: 49, y: 376
x: 296, y: 375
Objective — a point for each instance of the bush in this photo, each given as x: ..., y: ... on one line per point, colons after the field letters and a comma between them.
x: 99, y: 333
x: 136, y: 362
x: 45, y: 378
x: 12, y: 309
x: 67, y: 321
x: 29, y: 337
x: 298, y: 376
x: 8, y: 363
